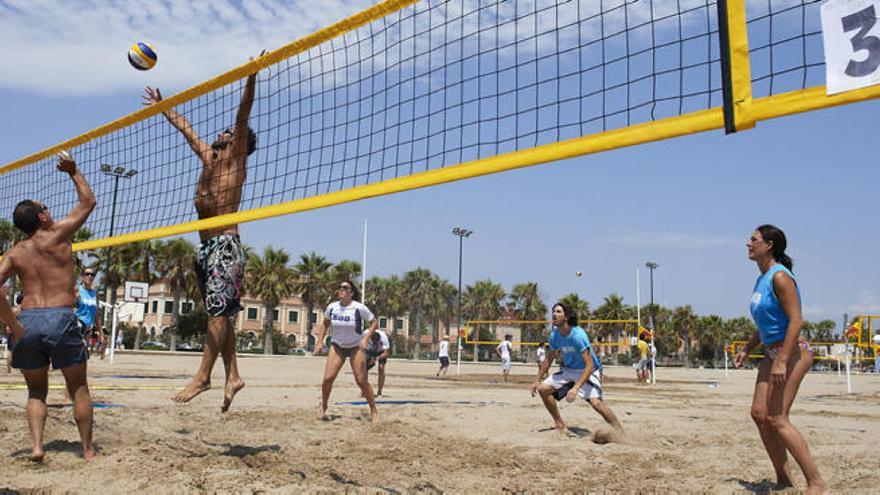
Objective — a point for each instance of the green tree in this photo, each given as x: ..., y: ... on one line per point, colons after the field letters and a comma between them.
x: 483, y: 301
x: 385, y: 298
x: 529, y: 306
x: 175, y: 264
x: 312, y: 271
x: 345, y: 270
x: 269, y: 278
x: 580, y: 306
x: 420, y: 293
x: 684, y: 322
x: 612, y: 308
x: 710, y: 337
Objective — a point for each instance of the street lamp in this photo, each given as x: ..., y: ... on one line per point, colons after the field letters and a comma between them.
x: 461, y: 233
x: 651, y: 267
x: 117, y: 173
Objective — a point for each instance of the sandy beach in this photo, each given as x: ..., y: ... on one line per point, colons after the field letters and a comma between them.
x: 468, y: 433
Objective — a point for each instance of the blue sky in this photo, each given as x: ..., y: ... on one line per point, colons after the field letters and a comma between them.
x: 689, y: 204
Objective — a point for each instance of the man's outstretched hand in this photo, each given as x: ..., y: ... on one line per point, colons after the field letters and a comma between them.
x: 151, y: 96
x: 66, y: 162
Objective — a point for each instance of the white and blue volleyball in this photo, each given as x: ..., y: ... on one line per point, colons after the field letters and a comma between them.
x: 141, y: 56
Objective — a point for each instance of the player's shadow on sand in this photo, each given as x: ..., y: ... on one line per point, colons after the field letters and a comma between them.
x: 243, y: 450
x: 55, y: 446
x: 763, y: 487
x: 572, y: 431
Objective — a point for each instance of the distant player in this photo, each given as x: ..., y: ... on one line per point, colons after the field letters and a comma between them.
x: 443, y: 355
x: 541, y: 354
x: 579, y: 374
x: 642, y: 367
x: 503, y: 350
x: 377, y: 353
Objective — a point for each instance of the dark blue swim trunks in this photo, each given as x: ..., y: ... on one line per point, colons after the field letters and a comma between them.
x: 50, y: 334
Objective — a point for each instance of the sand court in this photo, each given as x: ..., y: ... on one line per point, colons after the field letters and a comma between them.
x: 467, y: 433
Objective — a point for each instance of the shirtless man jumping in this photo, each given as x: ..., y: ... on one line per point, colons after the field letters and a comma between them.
x: 221, y: 259
x: 46, y: 329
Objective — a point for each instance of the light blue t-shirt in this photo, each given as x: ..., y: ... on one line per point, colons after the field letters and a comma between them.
x: 572, y: 347
x: 86, y: 305
x: 770, y: 318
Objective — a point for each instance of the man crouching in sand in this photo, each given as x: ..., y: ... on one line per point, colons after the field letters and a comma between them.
x: 46, y: 329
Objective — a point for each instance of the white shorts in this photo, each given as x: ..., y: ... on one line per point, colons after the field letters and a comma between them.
x: 505, y: 363
x: 592, y: 389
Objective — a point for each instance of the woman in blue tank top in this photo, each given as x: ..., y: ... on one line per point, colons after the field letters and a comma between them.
x: 776, y: 309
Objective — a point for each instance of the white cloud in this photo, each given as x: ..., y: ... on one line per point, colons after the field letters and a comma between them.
x: 868, y: 303
x: 75, y: 47
x: 672, y: 239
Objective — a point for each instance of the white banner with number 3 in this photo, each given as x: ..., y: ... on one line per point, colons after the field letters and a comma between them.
x: 852, y: 44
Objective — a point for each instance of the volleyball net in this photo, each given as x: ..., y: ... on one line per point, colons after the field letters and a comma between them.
x: 858, y: 342
x: 411, y: 94
x: 530, y: 333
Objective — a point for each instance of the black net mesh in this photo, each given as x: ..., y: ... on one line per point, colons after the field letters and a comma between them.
x: 432, y: 85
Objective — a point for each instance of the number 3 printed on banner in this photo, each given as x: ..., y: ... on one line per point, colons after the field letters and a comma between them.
x: 852, y: 44
x: 863, y: 20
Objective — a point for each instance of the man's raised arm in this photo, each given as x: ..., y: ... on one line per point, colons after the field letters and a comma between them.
x: 78, y: 215
x: 199, y: 147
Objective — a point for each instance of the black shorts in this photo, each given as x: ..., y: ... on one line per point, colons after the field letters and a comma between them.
x: 348, y: 353
x: 444, y: 361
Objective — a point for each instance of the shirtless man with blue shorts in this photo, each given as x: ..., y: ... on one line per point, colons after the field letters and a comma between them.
x: 46, y: 330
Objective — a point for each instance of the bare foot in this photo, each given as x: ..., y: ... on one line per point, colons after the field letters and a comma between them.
x: 322, y: 414
x: 783, y: 479
x: 562, y: 429
x: 89, y: 454
x: 232, y: 388
x: 37, y: 455
x: 374, y: 416
x: 817, y: 490
x: 194, y: 388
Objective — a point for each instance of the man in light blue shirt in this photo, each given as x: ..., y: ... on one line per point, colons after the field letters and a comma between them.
x: 579, y: 374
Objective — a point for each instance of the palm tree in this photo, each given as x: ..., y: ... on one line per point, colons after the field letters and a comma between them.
x: 612, y: 308
x: 176, y: 264
x: 447, y: 293
x: 270, y: 279
x: 527, y: 305
x: 482, y: 301
x: 710, y: 335
x: 9, y: 235
x: 144, y: 270
x: 420, y: 292
x: 684, y: 321
x: 345, y: 270
x: 312, y: 271
x: 385, y: 298
x: 579, y: 306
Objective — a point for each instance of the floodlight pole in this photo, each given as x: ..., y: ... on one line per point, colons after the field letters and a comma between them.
x: 651, y: 267
x: 117, y: 173
x: 461, y: 234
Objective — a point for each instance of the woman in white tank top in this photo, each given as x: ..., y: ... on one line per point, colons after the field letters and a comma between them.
x: 345, y: 319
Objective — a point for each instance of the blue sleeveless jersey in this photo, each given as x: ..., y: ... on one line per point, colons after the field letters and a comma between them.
x: 766, y: 310
x: 86, y: 305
